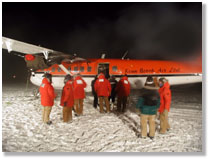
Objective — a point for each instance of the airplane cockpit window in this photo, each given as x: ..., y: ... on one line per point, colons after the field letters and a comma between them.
x: 75, y: 68
x: 69, y: 68
x: 53, y: 69
x: 114, y: 68
x: 82, y: 69
x: 89, y: 69
x: 59, y: 70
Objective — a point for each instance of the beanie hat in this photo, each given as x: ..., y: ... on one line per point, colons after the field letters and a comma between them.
x: 68, y: 77
x: 149, y: 82
x: 163, y: 80
x: 47, y: 75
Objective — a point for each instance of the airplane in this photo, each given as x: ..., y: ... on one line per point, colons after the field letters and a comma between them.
x: 40, y: 60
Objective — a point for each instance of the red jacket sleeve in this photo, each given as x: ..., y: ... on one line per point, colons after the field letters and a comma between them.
x: 66, y: 94
x: 85, y: 84
x: 161, y: 109
x: 167, y: 99
x: 51, y: 92
x: 129, y: 88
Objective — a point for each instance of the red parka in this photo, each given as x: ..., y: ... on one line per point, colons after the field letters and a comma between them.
x: 102, y: 86
x: 47, y: 93
x: 165, y: 97
x: 78, y: 85
x: 123, y: 87
x: 67, y: 94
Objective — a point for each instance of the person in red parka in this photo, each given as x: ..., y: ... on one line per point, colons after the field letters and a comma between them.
x: 103, y: 89
x: 123, y: 91
x: 79, y: 94
x: 165, y: 102
x: 47, y: 97
x: 67, y: 98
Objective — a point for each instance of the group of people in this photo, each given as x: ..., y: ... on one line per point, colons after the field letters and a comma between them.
x: 72, y: 97
x: 154, y: 97
x: 106, y: 90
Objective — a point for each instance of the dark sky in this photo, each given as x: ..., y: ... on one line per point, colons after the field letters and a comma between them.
x: 147, y: 30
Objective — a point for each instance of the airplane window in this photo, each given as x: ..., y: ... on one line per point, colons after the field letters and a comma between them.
x: 75, y: 68
x: 114, y: 68
x: 89, y: 69
x: 59, y: 70
x: 69, y: 68
x: 82, y: 69
x: 53, y: 69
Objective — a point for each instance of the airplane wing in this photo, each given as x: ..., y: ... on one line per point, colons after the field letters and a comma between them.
x: 18, y: 46
x: 42, y: 57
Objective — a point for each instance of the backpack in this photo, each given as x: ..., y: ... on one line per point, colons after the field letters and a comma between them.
x: 150, y: 99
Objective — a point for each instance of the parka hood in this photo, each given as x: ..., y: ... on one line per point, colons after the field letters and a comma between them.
x: 45, y: 81
x: 124, y: 78
x: 166, y: 85
x: 101, y: 76
x: 78, y: 77
x: 69, y: 82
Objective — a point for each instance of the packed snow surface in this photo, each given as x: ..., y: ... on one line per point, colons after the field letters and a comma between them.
x: 23, y: 130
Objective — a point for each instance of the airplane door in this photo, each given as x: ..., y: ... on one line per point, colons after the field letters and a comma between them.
x: 104, y: 68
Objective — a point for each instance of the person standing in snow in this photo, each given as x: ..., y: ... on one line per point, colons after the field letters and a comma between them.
x: 165, y: 102
x: 148, y: 103
x: 47, y: 97
x: 79, y: 86
x: 95, y: 101
x: 113, y: 83
x: 123, y: 91
x: 67, y: 98
x: 103, y: 89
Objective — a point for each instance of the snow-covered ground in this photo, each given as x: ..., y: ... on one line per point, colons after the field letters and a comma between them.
x: 23, y: 130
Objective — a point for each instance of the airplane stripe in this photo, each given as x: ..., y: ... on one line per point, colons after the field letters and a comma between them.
x: 143, y: 75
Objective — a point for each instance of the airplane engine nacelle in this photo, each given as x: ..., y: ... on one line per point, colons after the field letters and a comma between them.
x: 35, y: 63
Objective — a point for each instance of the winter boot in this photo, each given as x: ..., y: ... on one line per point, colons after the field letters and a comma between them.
x: 49, y: 122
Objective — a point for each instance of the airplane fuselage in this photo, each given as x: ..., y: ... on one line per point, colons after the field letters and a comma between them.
x: 136, y: 70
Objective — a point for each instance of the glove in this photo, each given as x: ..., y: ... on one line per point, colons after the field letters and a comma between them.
x: 65, y: 103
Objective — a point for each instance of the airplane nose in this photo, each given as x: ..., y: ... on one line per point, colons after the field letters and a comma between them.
x: 36, y: 79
